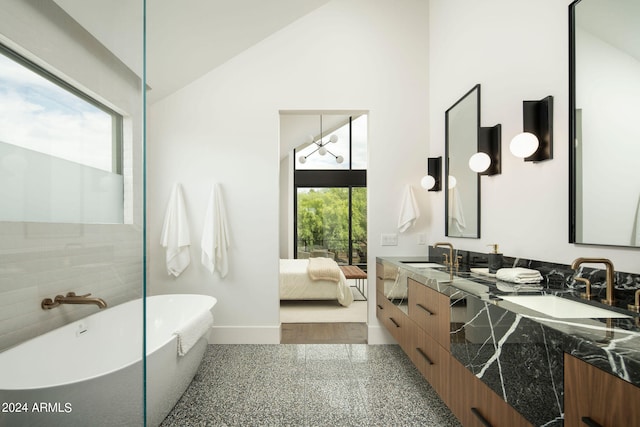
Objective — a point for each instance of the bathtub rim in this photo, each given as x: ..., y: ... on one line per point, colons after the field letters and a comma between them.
x: 149, y: 351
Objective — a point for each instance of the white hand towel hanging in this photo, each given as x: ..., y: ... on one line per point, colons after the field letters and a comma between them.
x: 409, y: 211
x: 175, y: 233
x: 215, y: 235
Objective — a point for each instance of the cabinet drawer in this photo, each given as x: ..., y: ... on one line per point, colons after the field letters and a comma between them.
x: 394, y: 319
x: 475, y: 404
x: 431, y: 360
x: 593, y: 394
x: 431, y: 311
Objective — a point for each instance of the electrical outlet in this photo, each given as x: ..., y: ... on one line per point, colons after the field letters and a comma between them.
x: 422, y: 238
x: 390, y: 239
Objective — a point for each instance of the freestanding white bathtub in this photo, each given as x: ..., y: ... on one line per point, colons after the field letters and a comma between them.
x: 89, y: 372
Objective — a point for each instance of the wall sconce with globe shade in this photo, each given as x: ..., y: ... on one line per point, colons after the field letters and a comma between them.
x: 432, y: 181
x: 488, y: 159
x: 535, y: 143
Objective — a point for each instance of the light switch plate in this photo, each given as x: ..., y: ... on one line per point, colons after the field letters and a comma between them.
x: 389, y: 239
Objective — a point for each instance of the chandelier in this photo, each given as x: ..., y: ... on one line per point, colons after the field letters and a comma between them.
x: 322, y: 146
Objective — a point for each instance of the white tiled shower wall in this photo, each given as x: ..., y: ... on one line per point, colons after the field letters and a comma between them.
x: 40, y: 261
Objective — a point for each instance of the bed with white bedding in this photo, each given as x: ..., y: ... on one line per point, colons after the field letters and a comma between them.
x: 296, y: 284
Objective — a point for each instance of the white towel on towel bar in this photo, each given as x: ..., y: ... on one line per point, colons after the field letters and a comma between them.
x: 215, y: 235
x: 409, y: 211
x: 189, y: 334
x: 175, y: 233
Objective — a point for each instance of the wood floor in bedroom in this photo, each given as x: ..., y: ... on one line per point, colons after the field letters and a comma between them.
x: 323, y: 333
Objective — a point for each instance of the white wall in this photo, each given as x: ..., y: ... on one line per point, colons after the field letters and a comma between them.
x: 517, y: 51
x: 347, y: 55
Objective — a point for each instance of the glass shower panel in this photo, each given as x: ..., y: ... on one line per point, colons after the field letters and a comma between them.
x: 71, y: 187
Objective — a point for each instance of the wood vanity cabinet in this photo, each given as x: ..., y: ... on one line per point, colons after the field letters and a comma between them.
x: 431, y: 359
x: 430, y: 310
x: 394, y: 319
x: 429, y: 349
x: 423, y: 334
x: 593, y: 397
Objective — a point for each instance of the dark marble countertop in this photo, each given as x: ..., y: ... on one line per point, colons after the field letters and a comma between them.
x: 518, y: 351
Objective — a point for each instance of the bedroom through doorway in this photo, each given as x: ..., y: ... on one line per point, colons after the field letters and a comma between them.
x: 323, y: 223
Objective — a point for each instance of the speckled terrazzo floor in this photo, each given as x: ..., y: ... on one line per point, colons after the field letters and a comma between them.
x: 308, y: 385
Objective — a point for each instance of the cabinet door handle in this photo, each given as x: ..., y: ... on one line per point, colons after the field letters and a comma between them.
x: 482, y: 419
x: 588, y: 421
x: 394, y: 322
x: 424, y: 308
x: 423, y: 354
x: 380, y: 307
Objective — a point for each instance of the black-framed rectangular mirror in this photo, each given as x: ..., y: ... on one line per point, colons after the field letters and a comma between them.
x: 462, y: 206
x: 604, y: 108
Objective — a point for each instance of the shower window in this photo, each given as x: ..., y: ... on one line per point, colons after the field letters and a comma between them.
x: 60, y: 145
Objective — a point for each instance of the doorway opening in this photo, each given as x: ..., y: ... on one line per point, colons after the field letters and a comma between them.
x: 325, y: 216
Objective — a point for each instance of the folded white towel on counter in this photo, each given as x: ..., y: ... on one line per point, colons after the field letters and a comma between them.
x: 409, y: 211
x: 215, y: 235
x: 175, y: 233
x: 196, y: 328
x: 518, y: 287
x: 519, y: 275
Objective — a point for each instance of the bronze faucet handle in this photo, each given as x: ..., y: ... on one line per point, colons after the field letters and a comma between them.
x: 587, y: 293
x: 636, y: 307
x: 73, y: 294
x: 48, y: 304
x: 446, y: 259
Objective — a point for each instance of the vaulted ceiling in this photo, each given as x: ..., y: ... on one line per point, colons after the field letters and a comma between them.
x: 185, y: 39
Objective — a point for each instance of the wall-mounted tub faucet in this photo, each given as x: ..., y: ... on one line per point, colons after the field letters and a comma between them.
x: 71, y: 298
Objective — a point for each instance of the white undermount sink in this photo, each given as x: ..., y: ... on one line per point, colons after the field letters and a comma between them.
x: 561, y: 308
x: 423, y: 264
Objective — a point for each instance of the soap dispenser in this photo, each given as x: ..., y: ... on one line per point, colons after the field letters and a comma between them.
x: 495, y: 259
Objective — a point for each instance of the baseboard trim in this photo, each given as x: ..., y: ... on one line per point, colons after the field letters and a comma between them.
x: 271, y: 335
x: 245, y: 335
x: 379, y: 335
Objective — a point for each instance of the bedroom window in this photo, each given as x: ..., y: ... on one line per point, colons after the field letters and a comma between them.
x: 60, y: 149
x: 331, y: 198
